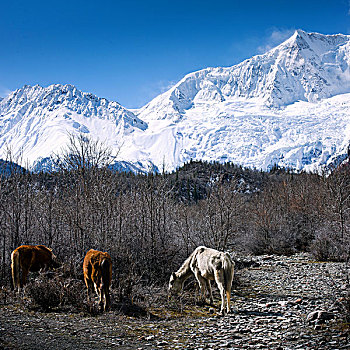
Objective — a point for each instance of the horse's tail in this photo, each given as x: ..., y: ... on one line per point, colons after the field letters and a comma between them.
x: 228, y: 267
x: 105, y: 272
x: 15, y: 268
x: 106, y: 266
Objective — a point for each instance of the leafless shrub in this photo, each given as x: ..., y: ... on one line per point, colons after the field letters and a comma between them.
x: 328, y: 245
x: 44, y: 293
x: 48, y: 293
x: 325, y: 248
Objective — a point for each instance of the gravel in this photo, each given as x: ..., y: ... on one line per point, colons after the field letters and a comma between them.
x: 283, y: 303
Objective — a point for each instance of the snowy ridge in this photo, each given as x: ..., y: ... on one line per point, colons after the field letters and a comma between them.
x: 37, y: 121
x: 289, y: 106
x: 305, y: 67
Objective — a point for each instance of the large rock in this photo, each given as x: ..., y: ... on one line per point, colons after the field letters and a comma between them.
x: 320, y: 316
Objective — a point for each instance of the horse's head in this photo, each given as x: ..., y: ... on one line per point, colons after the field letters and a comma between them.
x: 175, y: 285
x: 54, y: 264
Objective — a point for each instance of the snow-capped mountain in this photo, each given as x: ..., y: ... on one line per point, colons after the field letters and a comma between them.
x: 306, y: 67
x: 37, y: 121
x: 289, y: 106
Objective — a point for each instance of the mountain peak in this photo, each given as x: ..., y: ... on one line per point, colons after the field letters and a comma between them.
x: 307, y: 66
x: 317, y: 42
x: 61, y: 98
x: 66, y: 91
x: 299, y: 33
x: 38, y: 120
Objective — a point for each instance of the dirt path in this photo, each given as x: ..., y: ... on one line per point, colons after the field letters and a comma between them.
x: 271, y: 306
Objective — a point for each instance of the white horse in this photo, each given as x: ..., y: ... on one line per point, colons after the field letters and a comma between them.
x: 206, y: 264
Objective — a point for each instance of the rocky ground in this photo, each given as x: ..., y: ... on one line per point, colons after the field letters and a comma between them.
x: 273, y: 302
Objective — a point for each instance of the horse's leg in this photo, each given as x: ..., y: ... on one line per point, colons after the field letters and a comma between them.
x: 210, y: 291
x: 98, y: 289
x: 103, y: 298
x: 96, y: 279
x: 25, y: 272
x: 201, y: 282
x: 228, y: 295
x: 219, y: 279
x: 108, y: 299
x: 15, y: 265
x: 222, y: 293
x: 89, y: 287
x: 100, y: 295
x: 104, y: 302
x: 229, y: 279
x: 17, y: 280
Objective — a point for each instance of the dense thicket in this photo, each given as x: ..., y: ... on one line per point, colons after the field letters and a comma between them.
x: 150, y: 223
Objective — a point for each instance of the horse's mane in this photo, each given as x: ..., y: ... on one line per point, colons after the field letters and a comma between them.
x: 44, y: 248
x: 185, y: 268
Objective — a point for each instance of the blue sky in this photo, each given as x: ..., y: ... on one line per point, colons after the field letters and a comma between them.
x: 130, y: 51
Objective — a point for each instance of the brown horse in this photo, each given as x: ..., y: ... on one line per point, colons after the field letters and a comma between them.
x: 30, y: 258
x: 97, y: 269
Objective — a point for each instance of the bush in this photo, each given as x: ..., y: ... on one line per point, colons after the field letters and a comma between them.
x: 57, y: 292
x: 328, y: 246
x: 280, y: 242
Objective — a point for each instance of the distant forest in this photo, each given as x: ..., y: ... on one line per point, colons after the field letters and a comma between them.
x: 150, y: 223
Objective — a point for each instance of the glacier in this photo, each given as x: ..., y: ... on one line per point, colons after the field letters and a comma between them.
x: 288, y: 107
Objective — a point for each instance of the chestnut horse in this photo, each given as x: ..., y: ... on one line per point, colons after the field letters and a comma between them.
x: 30, y: 258
x: 97, y: 268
